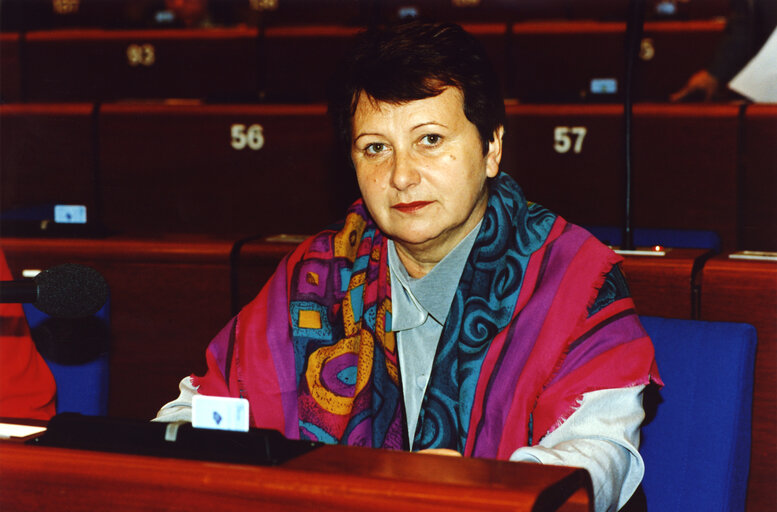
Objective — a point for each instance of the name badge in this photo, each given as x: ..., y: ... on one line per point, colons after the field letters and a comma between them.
x: 220, y: 413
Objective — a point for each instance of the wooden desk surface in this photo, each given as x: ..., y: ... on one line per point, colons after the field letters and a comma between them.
x: 330, y: 478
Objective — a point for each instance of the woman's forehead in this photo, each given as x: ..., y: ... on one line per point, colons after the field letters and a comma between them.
x: 446, y: 106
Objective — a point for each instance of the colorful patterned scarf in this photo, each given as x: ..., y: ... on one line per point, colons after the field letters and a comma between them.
x: 541, y: 315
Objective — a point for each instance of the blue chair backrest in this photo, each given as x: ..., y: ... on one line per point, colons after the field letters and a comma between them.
x: 644, y: 237
x: 77, y: 353
x: 697, y: 448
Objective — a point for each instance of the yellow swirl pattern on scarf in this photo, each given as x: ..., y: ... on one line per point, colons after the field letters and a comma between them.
x: 324, y: 397
x: 346, y: 241
x: 350, y: 325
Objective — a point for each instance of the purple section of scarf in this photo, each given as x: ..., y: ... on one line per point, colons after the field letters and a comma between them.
x: 331, y: 374
x: 530, y: 321
x: 278, y: 338
x: 613, y: 334
x: 361, y: 435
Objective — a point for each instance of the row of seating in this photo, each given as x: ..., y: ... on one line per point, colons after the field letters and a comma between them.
x: 248, y: 169
x: 26, y: 15
x: 538, y: 61
x: 169, y: 295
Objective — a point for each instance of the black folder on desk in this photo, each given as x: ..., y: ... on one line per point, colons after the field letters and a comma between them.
x: 262, y: 447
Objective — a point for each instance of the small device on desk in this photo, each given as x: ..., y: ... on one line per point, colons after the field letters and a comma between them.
x: 54, y: 220
x: 257, y: 446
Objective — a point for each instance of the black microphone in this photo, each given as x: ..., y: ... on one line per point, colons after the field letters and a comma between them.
x: 63, y: 291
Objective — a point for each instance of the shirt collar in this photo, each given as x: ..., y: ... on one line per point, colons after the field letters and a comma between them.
x: 415, y: 299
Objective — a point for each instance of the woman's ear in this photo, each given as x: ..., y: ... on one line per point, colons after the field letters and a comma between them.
x: 494, y: 155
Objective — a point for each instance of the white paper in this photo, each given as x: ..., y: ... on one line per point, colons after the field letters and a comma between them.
x: 9, y: 430
x: 754, y: 255
x: 758, y: 79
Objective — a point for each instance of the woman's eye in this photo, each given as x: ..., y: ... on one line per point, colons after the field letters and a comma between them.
x: 431, y: 139
x: 374, y: 148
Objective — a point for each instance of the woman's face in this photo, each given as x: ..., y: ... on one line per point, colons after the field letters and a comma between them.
x: 421, y: 170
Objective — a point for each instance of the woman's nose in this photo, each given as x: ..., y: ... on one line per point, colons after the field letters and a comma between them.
x: 405, y: 171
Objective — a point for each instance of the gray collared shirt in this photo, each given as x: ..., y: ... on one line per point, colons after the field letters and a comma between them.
x: 419, y: 308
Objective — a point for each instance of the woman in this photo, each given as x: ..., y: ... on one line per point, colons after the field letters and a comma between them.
x: 445, y: 312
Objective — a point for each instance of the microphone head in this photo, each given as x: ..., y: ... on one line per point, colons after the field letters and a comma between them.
x: 70, y: 291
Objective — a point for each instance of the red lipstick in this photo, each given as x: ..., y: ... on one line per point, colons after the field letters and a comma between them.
x: 411, y: 207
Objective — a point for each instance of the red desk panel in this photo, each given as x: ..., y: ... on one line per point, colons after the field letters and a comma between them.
x: 331, y: 478
x: 746, y: 291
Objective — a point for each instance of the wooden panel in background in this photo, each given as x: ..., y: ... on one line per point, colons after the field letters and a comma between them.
x: 746, y: 291
x: 759, y: 179
x: 298, y: 61
x: 478, y: 11
x: 489, y: 11
x: 685, y: 168
x: 10, y: 68
x: 315, y: 12
x: 220, y: 169
x: 105, y: 65
x: 614, y: 9
x: 663, y: 285
x: 582, y: 185
x: 555, y: 61
x: 47, y: 155
x: 569, y: 158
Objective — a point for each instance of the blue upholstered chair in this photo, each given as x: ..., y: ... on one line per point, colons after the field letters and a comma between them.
x: 697, y: 447
x: 643, y: 237
x: 76, y: 352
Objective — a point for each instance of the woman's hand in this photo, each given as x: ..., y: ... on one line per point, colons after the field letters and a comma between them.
x: 702, y: 84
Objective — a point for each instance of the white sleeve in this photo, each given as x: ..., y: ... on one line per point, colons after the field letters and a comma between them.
x: 179, y: 409
x: 602, y: 436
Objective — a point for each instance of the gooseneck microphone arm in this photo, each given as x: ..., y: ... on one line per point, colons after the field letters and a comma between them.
x: 634, y: 25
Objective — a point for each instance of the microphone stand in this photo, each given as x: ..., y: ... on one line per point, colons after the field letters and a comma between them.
x: 634, y: 25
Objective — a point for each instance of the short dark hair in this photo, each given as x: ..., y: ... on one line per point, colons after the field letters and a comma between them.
x: 412, y: 61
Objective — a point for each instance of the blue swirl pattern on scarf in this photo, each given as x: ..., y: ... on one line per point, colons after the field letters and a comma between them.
x: 614, y: 288
x: 482, y: 306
